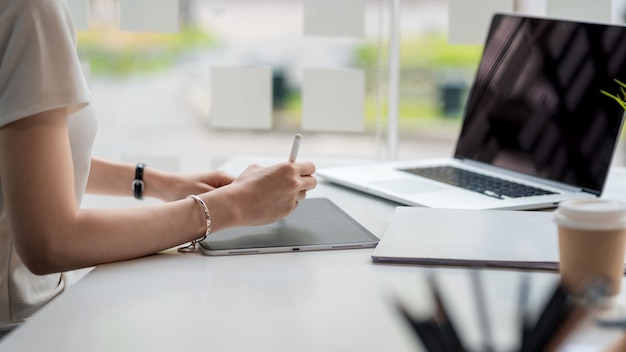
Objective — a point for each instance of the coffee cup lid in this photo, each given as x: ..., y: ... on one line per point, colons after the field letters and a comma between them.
x: 591, y: 214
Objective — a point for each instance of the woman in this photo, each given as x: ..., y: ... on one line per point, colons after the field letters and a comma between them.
x: 47, y: 126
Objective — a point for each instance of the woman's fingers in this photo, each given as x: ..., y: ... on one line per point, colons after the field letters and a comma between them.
x: 305, y: 168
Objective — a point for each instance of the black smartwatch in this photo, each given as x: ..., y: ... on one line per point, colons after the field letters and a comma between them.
x: 138, y: 181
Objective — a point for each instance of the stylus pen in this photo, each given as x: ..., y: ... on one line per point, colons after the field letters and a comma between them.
x: 295, y: 147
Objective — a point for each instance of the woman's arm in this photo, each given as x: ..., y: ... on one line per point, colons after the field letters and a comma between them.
x: 115, y: 178
x: 52, y: 234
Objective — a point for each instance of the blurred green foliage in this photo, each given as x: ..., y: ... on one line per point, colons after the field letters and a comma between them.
x: 114, y: 53
x: 423, y: 59
x: 426, y: 51
x: 427, y: 64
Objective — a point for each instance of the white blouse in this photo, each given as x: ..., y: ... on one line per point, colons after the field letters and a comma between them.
x: 39, y: 71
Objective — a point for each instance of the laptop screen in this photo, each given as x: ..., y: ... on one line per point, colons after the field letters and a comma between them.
x: 536, y: 105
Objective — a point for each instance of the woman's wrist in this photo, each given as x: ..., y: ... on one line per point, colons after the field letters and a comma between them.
x: 157, y: 183
x: 225, y: 209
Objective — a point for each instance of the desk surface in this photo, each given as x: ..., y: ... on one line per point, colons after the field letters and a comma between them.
x: 307, y: 301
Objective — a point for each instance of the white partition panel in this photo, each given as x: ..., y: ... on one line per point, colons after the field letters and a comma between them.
x: 149, y: 15
x: 468, y: 21
x: 241, y: 97
x: 531, y: 7
x: 334, y: 18
x: 596, y: 10
x: 333, y: 100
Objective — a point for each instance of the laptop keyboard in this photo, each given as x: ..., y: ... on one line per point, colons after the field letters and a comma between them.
x: 472, y: 181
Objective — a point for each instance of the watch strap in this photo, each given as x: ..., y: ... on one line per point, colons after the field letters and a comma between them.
x: 138, y: 185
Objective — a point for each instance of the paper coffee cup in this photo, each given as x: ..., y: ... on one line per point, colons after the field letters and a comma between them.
x: 592, y: 241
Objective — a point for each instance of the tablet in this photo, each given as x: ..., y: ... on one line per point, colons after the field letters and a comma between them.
x: 316, y: 224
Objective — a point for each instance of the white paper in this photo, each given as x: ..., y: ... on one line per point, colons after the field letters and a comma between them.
x: 469, y: 20
x: 586, y: 10
x: 149, y: 15
x: 241, y: 97
x: 80, y: 13
x: 333, y: 100
x: 343, y: 18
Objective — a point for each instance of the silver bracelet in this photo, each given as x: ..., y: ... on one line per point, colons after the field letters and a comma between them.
x: 193, y: 246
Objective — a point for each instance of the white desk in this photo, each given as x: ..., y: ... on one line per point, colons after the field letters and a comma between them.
x: 307, y: 301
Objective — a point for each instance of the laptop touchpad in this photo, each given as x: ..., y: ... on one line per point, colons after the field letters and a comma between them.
x: 408, y: 186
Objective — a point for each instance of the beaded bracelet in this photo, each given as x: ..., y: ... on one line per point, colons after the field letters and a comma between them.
x: 193, y: 246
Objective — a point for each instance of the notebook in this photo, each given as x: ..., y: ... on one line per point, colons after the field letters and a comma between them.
x: 465, y: 237
x: 470, y: 238
x: 316, y: 224
x: 536, y: 128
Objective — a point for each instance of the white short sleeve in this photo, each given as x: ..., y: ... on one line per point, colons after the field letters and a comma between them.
x: 39, y: 68
x: 39, y: 71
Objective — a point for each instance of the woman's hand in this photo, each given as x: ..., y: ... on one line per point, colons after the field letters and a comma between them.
x: 261, y: 195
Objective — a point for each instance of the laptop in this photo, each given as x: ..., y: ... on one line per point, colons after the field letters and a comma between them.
x: 316, y: 224
x: 536, y: 129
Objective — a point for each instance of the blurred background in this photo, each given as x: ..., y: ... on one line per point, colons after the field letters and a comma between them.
x: 154, y: 99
